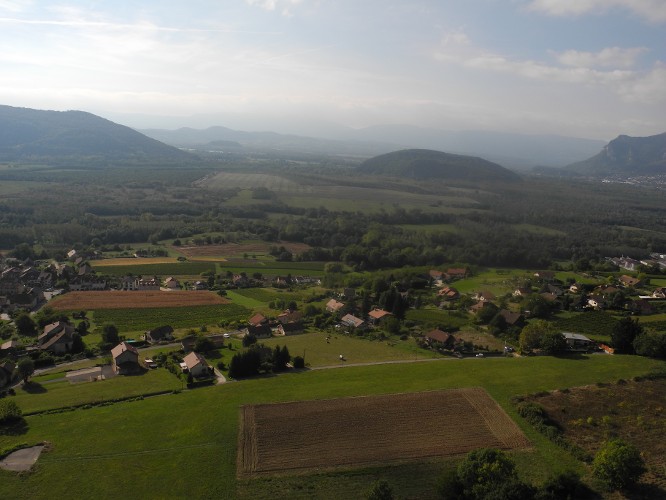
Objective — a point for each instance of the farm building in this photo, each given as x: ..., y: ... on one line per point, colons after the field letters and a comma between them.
x: 577, y: 342
x: 125, y: 359
x: 196, y: 365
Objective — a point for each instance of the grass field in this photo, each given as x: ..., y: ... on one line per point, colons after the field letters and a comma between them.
x: 597, y: 324
x: 273, y: 268
x: 149, y: 443
x: 319, y: 353
x: 437, y: 317
x: 497, y: 281
x: 132, y: 261
x: 140, y: 320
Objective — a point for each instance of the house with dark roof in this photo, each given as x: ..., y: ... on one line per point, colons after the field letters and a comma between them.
x: 512, y: 318
x: 440, y: 338
x: 259, y: 331
x: 159, y: 334
x: 57, y: 338
x: 125, y: 359
x: 293, y: 328
x: 290, y: 316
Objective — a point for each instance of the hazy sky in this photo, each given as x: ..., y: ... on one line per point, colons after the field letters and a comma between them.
x: 589, y: 68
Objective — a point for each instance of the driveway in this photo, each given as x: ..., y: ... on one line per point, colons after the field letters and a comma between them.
x: 21, y: 460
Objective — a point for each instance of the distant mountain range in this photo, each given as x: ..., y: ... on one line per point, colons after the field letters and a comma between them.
x: 626, y: 156
x: 516, y: 151
x: 30, y: 134
x: 423, y: 164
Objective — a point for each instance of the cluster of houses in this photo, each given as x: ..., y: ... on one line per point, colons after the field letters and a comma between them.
x: 22, y: 285
x: 289, y: 322
x: 655, y: 260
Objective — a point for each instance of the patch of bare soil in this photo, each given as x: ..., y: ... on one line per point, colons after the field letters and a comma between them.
x: 632, y: 411
x: 313, y: 435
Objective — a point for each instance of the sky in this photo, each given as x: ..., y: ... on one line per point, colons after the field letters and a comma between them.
x: 583, y: 68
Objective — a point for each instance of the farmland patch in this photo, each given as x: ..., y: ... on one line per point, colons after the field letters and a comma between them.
x: 83, y: 301
x: 238, y: 249
x: 311, y: 435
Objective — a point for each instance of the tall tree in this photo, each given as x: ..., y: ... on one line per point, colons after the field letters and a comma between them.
x: 623, y: 335
x: 25, y: 368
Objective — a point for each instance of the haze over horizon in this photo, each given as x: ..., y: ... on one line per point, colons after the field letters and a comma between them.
x: 584, y: 68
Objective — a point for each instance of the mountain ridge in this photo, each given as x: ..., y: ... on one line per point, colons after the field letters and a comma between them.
x: 626, y: 155
x: 425, y: 164
x: 32, y: 134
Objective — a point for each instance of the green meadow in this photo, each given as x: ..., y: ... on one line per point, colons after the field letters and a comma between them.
x: 183, y: 445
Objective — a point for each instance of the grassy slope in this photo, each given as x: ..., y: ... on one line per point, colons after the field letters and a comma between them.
x: 185, y: 444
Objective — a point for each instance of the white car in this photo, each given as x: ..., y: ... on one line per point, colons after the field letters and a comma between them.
x: 226, y: 335
x: 480, y: 355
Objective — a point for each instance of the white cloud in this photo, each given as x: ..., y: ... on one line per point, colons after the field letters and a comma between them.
x: 653, y: 11
x: 649, y: 88
x: 284, y: 6
x: 610, y: 57
x: 14, y: 6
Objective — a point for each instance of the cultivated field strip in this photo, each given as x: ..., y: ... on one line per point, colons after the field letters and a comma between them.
x: 74, y: 301
x: 313, y: 435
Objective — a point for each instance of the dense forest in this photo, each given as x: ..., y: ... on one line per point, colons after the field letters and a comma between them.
x: 531, y: 223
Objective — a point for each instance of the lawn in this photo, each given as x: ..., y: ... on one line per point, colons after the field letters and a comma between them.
x: 497, y: 281
x: 44, y: 393
x: 318, y: 352
x: 184, y: 445
x: 438, y: 318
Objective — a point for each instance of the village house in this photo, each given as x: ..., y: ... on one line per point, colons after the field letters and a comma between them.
x: 512, y: 318
x: 9, y: 348
x: 352, y: 321
x: 523, y: 291
x: 289, y: 316
x: 377, y: 316
x: 125, y: 359
x: 448, y: 293
x: 456, y: 273
x: 196, y: 365
x: 440, y: 338
x: 171, y: 283
x: 630, y: 281
x: 596, y: 302
x: 159, y: 334
x: 259, y: 331
x: 257, y: 319
x: 333, y: 306
x: 293, y: 328
x: 437, y: 277
x: 484, y: 296
x: 57, y: 338
x: 545, y: 275
x: 659, y: 293
x: 218, y: 340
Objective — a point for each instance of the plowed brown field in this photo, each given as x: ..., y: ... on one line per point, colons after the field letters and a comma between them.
x: 74, y: 301
x: 371, y: 430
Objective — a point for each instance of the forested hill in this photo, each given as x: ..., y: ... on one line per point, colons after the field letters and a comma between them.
x: 30, y: 134
x: 429, y: 164
x: 627, y: 155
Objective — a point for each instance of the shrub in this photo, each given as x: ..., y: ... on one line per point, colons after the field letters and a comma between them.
x: 9, y: 411
x: 619, y: 465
